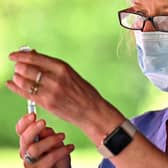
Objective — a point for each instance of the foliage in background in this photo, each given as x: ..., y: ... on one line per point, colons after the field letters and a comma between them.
x: 87, y: 35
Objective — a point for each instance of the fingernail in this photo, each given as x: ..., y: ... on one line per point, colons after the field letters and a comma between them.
x: 40, y: 124
x: 31, y: 117
x: 8, y: 82
x: 61, y: 136
x: 12, y: 57
x: 70, y: 147
x: 14, y: 77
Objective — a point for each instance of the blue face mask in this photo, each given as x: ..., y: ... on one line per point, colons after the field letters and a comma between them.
x: 153, y: 57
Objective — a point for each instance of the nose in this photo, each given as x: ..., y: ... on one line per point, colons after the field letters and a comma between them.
x: 148, y: 27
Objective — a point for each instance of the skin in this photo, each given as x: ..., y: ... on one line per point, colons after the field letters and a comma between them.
x: 50, y: 150
x: 67, y: 95
x: 150, y: 8
x: 62, y: 91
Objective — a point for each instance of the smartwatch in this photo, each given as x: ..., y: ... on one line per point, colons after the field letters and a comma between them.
x: 117, y: 140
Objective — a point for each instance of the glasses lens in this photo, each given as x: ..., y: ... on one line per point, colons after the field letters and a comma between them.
x: 161, y: 23
x: 131, y: 20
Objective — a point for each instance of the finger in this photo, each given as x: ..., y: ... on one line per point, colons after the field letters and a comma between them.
x: 24, y: 83
x: 45, y: 145
x: 49, y: 132
x: 29, y: 72
x: 50, y: 159
x: 28, y: 136
x: 22, y: 86
x: 24, y: 91
x: 24, y: 122
x: 45, y: 95
x: 64, y: 162
x: 37, y: 59
x: 14, y: 88
x: 46, y: 133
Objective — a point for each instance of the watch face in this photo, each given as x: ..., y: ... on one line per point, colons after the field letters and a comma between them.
x: 117, y: 140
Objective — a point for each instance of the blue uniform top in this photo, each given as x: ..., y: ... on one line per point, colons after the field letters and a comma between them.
x: 153, y: 126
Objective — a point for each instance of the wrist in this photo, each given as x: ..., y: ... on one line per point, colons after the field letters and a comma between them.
x: 102, y: 123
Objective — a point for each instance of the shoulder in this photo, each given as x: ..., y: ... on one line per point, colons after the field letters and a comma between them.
x: 149, y: 121
x: 148, y: 117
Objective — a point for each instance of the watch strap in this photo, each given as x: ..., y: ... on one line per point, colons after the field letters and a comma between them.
x: 128, y: 127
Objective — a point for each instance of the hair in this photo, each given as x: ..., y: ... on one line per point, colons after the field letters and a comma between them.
x: 126, y: 40
x: 130, y: 1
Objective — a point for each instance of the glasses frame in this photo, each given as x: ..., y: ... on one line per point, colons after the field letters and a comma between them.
x: 139, y: 13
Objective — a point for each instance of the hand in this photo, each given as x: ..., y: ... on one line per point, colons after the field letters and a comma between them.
x: 49, y: 151
x: 63, y: 92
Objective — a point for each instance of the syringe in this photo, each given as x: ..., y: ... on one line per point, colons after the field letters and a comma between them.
x: 31, y: 105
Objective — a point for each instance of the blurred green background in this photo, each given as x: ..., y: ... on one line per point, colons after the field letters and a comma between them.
x: 87, y: 35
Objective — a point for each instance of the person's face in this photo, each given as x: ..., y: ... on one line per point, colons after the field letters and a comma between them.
x: 151, y: 8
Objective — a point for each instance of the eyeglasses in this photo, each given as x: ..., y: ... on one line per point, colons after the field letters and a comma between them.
x: 136, y: 20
